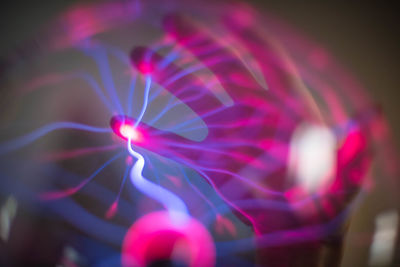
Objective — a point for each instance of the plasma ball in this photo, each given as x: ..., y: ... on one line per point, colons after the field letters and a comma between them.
x: 124, y: 127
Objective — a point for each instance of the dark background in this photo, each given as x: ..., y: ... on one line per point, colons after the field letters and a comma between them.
x: 363, y: 36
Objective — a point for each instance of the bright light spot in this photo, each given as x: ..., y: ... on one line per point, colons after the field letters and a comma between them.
x: 383, y: 242
x: 312, y: 156
x: 128, y: 131
x: 156, y: 237
x: 7, y: 214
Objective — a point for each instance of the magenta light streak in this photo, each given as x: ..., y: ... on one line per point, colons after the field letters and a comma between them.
x: 52, y: 195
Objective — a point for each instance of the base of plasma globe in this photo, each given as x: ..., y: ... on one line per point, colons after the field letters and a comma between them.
x: 156, y: 238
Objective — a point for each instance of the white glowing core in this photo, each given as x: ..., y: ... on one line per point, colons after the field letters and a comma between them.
x: 129, y: 132
x: 313, y: 156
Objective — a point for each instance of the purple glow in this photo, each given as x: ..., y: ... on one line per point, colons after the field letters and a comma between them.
x: 175, y: 206
x: 228, y: 114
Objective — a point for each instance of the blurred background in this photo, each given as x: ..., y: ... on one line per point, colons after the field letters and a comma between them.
x: 364, y: 37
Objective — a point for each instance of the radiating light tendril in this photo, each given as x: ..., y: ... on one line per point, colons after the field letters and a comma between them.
x: 175, y: 206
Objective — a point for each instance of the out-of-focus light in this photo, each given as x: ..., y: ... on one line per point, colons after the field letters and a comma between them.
x: 7, y: 214
x: 156, y: 237
x: 383, y: 242
x: 71, y: 257
x: 312, y: 156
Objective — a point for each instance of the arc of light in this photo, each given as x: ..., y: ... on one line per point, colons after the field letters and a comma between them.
x: 30, y: 137
x: 175, y: 206
x: 236, y: 48
x: 199, y: 118
x: 171, y: 104
x: 145, y: 100
x: 287, y: 236
x: 61, y: 194
x: 130, y: 96
x: 96, y: 87
x: 101, y: 58
x: 61, y: 77
x: 114, y: 206
x: 198, y: 191
x: 210, y: 181
x: 73, y: 153
x: 251, y: 183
